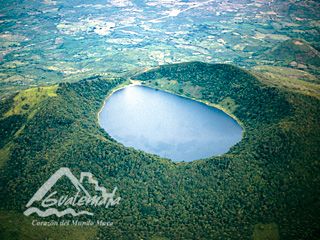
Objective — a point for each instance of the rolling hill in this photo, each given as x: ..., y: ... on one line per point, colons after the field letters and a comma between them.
x: 295, y: 53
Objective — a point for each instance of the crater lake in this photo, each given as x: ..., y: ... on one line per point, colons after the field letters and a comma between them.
x: 168, y: 125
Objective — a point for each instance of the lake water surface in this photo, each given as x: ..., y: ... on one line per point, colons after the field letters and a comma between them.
x: 168, y: 125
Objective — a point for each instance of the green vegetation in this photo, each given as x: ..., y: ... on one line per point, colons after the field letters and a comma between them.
x: 16, y: 226
x: 266, y: 186
x: 289, y: 79
x: 286, y: 74
x: 16, y: 110
x: 295, y: 52
x: 65, y: 46
x: 27, y: 100
x: 228, y: 104
x: 266, y: 231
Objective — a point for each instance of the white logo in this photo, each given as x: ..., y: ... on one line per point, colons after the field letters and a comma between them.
x: 82, y: 198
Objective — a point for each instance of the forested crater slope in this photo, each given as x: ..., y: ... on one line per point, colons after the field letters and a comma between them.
x: 267, y: 181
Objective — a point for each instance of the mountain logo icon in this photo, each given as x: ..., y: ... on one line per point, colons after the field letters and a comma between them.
x: 50, y: 203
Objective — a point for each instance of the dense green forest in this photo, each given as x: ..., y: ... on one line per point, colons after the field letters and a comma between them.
x: 267, y: 185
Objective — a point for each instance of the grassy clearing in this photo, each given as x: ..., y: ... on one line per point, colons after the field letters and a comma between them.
x: 187, y: 88
x: 4, y: 155
x: 27, y: 100
x: 289, y: 79
x: 229, y: 104
x: 266, y: 232
x: 288, y: 73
